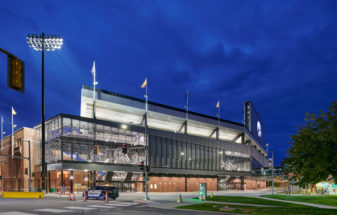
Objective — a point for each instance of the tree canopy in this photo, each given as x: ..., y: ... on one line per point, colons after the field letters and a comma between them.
x: 313, y: 154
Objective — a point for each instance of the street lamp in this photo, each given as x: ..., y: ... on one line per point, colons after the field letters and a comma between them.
x: 41, y: 42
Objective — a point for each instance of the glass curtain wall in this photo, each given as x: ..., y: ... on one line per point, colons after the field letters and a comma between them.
x: 78, y: 140
x: 171, y: 153
x: 75, y: 139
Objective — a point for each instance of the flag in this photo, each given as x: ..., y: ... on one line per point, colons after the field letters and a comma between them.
x: 218, y: 104
x: 93, y: 70
x: 13, y: 111
x: 144, y: 84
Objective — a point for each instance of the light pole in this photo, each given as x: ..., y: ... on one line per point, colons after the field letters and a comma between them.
x: 41, y: 42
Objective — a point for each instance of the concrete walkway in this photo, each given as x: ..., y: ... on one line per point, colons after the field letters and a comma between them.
x: 244, y: 204
x: 189, y: 201
x: 299, y: 203
x: 168, y: 200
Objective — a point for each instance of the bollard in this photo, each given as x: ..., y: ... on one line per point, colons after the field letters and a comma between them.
x: 106, y: 197
x: 74, y: 196
x: 212, y: 195
x: 85, y: 197
x: 179, y: 200
x: 69, y: 197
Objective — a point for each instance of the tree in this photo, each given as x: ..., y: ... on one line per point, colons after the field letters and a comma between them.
x: 313, y: 154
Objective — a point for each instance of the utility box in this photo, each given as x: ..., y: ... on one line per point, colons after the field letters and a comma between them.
x: 202, y: 191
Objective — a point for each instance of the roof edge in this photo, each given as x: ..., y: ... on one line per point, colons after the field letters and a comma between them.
x: 160, y: 105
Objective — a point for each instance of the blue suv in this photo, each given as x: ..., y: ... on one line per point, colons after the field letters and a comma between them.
x: 99, y: 192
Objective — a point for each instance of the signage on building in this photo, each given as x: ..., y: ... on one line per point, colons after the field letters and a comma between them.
x: 253, y: 123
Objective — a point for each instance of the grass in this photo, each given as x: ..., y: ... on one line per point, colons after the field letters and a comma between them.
x: 281, y: 208
x: 259, y: 210
x: 323, y: 200
x: 247, y: 200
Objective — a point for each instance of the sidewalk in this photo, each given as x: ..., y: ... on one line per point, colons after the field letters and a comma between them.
x: 171, y: 203
x: 169, y: 196
x: 299, y: 203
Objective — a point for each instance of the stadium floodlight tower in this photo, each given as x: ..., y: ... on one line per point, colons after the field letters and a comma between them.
x: 41, y: 42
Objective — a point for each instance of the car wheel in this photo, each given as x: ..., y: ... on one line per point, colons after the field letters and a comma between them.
x: 101, y: 197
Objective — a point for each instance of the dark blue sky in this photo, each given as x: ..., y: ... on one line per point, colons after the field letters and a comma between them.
x: 282, y: 55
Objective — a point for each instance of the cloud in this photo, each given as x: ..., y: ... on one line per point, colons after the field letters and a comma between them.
x: 282, y: 56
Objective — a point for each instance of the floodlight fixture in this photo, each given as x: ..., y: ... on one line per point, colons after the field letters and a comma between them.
x: 46, y: 42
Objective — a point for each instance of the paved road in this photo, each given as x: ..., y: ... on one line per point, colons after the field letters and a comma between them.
x: 127, y: 203
x: 63, y: 206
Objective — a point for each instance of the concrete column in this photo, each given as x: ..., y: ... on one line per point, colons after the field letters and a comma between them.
x: 71, y: 181
x: 242, y: 182
x: 62, y: 182
x: 48, y: 188
x: 94, y: 179
x: 90, y: 179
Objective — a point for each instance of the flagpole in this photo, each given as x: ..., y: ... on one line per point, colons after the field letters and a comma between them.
x: 2, y: 123
x: 218, y: 106
x: 146, y: 142
x: 186, y: 105
x: 12, y: 133
x: 94, y: 103
x: 218, y: 128
x: 146, y: 99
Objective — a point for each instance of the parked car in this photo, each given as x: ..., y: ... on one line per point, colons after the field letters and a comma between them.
x: 99, y: 192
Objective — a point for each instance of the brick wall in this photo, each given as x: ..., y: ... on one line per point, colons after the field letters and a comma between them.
x: 193, y: 184
x: 12, y: 169
x: 177, y: 184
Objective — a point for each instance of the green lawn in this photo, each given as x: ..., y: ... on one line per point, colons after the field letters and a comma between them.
x: 281, y: 208
x: 258, y: 210
x: 247, y: 200
x: 323, y: 200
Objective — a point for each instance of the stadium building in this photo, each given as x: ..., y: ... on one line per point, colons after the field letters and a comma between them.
x: 184, y: 149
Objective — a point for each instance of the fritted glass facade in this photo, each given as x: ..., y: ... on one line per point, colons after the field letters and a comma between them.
x: 73, y: 138
x: 258, y: 160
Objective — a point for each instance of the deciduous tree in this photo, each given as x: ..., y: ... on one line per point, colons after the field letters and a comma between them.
x: 313, y: 154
